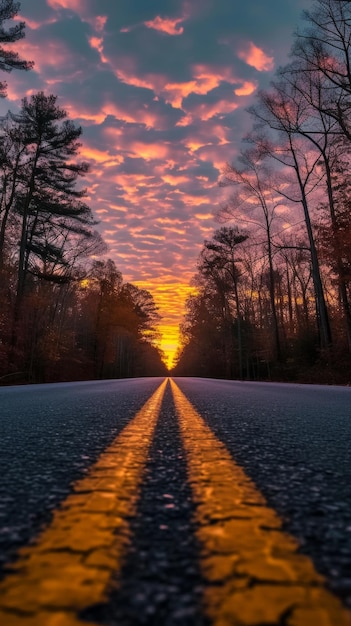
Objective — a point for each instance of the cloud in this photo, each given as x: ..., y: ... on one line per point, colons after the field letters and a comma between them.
x: 246, y: 89
x: 73, y: 5
x: 166, y: 25
x: 256, y: 57
x: 160, y: 89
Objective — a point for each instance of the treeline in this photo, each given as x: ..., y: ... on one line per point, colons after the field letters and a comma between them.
x: 274, y: 285
x: 64, y: 314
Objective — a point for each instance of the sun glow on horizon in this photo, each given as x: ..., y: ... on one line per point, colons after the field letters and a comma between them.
x: 170, y: 298
x: 169, y: 343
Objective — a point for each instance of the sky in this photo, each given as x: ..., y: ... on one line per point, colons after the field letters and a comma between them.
x: 160, y: 88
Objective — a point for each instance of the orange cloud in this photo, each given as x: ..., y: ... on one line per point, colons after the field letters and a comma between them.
x: 149, y: 151
x: 100, y: 156
x: 256, y: 57
x: 246, y: 89
x: 204, y: 80
x: 96, y: 43
x: 166, y: 25
x: 174, y: 181
x: 204, y: 216
x: 117, y: 207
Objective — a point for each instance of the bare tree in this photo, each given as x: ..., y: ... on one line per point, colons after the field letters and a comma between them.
x: 306, y: 90
x: 278, y: 112
x: 323, y: 51
x: 254, y: 191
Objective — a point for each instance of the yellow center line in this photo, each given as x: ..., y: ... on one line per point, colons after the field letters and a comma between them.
x: 70, y: 566
x: 254, y: 573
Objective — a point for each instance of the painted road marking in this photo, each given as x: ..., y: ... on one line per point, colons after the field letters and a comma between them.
x: 254, y: 574
x: 72, y: 562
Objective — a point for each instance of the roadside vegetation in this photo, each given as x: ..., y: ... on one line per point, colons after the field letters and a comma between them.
x: 65, y: 314
x: 274, y: 281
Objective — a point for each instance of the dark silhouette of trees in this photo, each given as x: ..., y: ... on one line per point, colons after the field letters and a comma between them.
x: 280, y: 113
x: 219, y: 260
x: 298, y: 156
x: 117, y: 325
x: 254, y: 190
x: 321, y: 52
x: 64, y: 314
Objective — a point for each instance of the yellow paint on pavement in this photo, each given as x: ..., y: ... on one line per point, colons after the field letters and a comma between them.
x: 254, y: 573
x: 70, y: 566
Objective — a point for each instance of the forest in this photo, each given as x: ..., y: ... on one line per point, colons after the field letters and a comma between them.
x: 274, y: 281
x: 65, y: 314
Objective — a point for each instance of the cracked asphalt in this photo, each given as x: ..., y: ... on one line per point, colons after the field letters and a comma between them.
x: 292, y: 441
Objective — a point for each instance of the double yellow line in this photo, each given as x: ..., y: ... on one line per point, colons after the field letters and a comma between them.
x: 254, y: 574
x: 72, y: 562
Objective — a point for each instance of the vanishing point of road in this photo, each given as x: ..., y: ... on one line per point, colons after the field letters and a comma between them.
x: 182, y: 502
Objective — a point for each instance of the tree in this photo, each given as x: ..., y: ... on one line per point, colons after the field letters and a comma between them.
x: 323, y: 50
x: 12, y: 165
x: 203, y: 337
x: 47, y: 202
x: 253, y: 190
x: 118, y: 324
x: 310, y: 95
x: 145, y: 310
x: 51, y: 220
x: 9, y: 59
x: 219, y: 260
x: 279, y: 112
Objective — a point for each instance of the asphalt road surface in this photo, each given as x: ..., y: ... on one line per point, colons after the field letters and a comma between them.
x: 141, y: 502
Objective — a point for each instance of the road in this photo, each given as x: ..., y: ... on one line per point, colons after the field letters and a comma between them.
x: 188, y: 503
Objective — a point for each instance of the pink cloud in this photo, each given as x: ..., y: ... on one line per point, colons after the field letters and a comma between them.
x: 123, y: 112
x: 127, y: 74
x: 217, y: 154
x: 99, y: 23
x: 34, y: 24
x: 96, y: 42
x: 73, y: 5
x: 256, y: 57
x: 204, y: 79
x: 82, y: 112
x: 57, y: 54
x: 166, y: 25
x: 207, y: 110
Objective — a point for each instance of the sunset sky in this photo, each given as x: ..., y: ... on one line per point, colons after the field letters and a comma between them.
x: 160, y: 89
